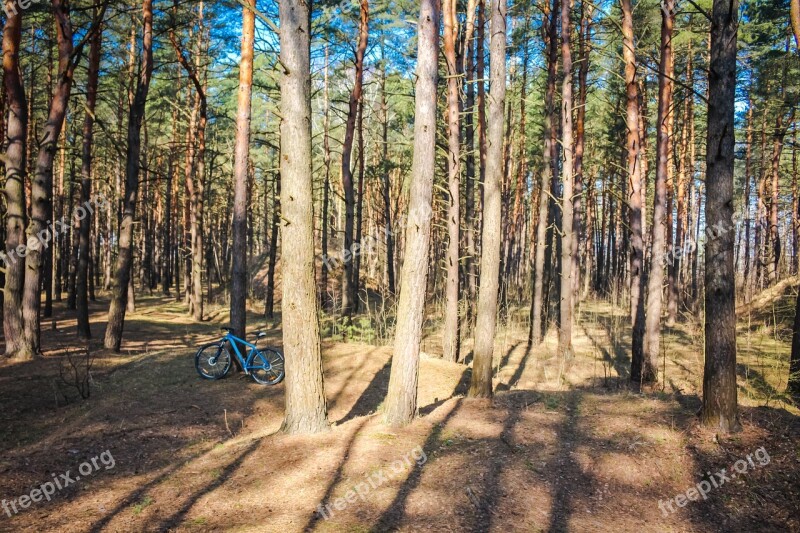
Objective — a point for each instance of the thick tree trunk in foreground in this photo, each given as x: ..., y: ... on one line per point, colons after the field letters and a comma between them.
x: 401, y: 398
x: 652, y: 338
x: 42, y: 183
x: 450, y: 340
x: 81, y: 285
x: 537, y: 311
x: 567, y: 307
x: 349, y: 295
x: 17, y: 126
x: 241, y: 157
x: 486, y: 317
x: 719, y: 376
x: 122, y: 276
x: 635, y: 202
x: 306, y: 411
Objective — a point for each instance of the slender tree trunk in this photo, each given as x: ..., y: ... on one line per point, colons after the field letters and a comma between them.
x: 450, y: 337
x: 269, y: 305
x: 349, y: 296
x: 568, y: 206
x: 241, y: 158
x: 470, y: 272
x: 481, y: 385
x: 635, y: 180
x: 719, y: 376
x: 652, y: 339
x: 584, y: 36
x: 777, y: 149
x: 400, y: 405
x: 537, y: 310
x: 122, y: 277
x: 81, y: 287
x: 42, y: 184
x: 326, y: 149
x: 15, y: 164
x: 357, y: 252
x: 306, y: 411
x: 387, y: 203
x: 748, y: 173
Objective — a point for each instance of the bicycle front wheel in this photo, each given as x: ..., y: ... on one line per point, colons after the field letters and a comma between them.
x: 266, y: 366
x: 212, y: 361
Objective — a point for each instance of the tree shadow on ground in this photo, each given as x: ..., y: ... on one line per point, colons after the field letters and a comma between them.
x: 373, y: 395
x: 336, y: 478
x: 394, y: 512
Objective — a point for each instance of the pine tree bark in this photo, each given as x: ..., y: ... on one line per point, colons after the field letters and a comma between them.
x: 779, y: 134
x: 305, y: 411
x: 450, y: 333
x: 269, y: 305
x: 326, y: 154
x: 486, y: 318
x: 16, y: 134
x: 584, y: 36
x: 401, y: 398
x: 241, y: 157
x: 42, y: 183
x: 652, y: 339
x: 349, y: 296
x: 81, y: 285
x: 719, y: 409
x: 537, y: 311
x: 567, y: 306
x: 634, y: 167
x: 122, y: 276
x: 386, y: 190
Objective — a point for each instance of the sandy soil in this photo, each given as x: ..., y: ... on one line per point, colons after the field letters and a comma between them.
x: 559, y: 449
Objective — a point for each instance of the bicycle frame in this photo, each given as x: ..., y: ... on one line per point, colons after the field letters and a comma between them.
x: 235, y: 341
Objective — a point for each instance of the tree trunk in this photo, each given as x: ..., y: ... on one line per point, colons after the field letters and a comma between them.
x: 326, y: 149
x: 777, y: 149
x: 537, y: 311
x: 241, y: 158
x: 306, y: 411
x: 568, y: 206
x: 584, y: 35
x: 470, y: 273
x: 481, y: 385
x: 42, y: 184
x: 122, y: 277
x: 719, y: 376
x: 15, y: 164
x: 387, y: 204
x: 81, y: 287
x: 635, y: 183
x: 450, y: 337
x: 349, y: 296
x: 652, y: 339
x: 269, y: 306
x: 400, y: 405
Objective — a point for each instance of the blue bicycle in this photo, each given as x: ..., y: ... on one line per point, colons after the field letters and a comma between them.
x: 265, y: 366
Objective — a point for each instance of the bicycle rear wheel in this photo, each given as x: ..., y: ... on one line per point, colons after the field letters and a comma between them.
x: 266, y: 366
x: 213, y: 361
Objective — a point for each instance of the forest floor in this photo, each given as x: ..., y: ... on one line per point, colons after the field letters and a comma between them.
x: 559, y: 449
